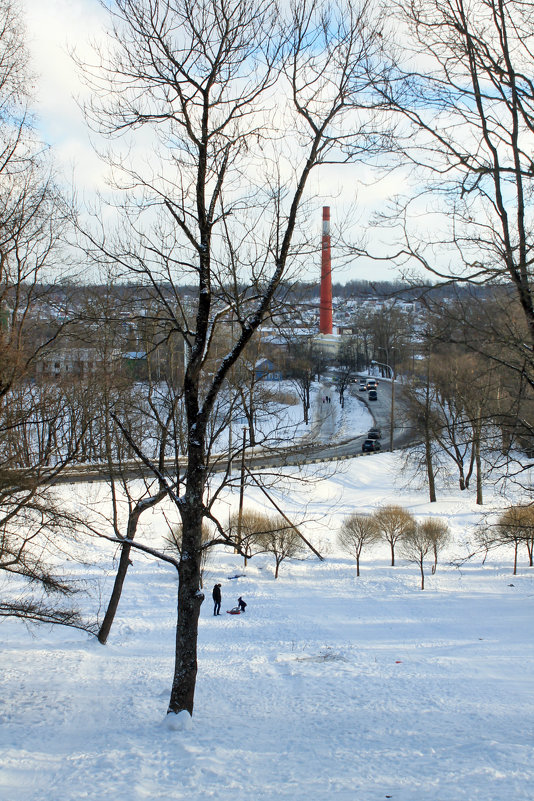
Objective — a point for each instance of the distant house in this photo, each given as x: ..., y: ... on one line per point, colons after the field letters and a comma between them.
x: 267, y: 371
x: 70, y: 362
x: 136, y: 363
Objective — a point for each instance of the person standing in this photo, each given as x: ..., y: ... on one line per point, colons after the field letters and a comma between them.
x: 217, y: 598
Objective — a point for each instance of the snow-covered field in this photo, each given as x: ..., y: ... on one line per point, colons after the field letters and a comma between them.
x: 329, y: 687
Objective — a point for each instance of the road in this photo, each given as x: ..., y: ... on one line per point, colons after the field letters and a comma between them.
x: 306, y: 453
x: 310, y: 450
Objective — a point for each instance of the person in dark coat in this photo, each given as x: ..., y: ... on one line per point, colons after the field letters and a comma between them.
x: 217, y: 598
x: 242, y: 604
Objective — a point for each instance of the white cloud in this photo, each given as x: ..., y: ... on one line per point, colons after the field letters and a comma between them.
x: 54, y: 29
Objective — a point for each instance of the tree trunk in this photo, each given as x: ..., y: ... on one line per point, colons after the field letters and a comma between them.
x: 480, y: 499
x: 430, y: 467
x: 124, y: 563
x: 392, y: 544
x: 305, y: 409
x: 248, y: 409
x: 189, y: 602
x: 116, y: 593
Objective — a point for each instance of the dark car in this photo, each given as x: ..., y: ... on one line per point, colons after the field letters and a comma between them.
x: 373, y: 394
x: 371, y: 445
x: 374, y: 433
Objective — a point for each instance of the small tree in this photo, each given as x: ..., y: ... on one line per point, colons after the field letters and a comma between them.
x: 357, y: 532
x: 253, y: 524
x: 426, y: 537
x: 526, y: 514
x: 438, y: 531
x: 515, y: 526
x: 393, y: 524
x: 282, y: 540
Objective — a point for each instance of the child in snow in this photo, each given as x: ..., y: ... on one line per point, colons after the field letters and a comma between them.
x: 242, y: 604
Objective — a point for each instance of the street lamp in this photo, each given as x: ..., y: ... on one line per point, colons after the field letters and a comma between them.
x: 392, y: 374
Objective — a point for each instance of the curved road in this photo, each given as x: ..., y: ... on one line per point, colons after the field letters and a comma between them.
x: 303, y: 452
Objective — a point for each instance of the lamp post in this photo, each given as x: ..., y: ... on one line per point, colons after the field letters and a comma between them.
x: 392, y: 374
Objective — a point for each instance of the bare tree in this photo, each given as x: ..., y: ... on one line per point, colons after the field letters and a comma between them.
x: 246, y: 528
x: 303, y: 357
x: 393, y: 524
x: 419, y: 395
x: 281, y: 539
x: 515, y: 526
x: 427, y: 537
x: 472, y: 111
x: 219, y: 201
x: 36, y: 441
x: 347, y: 360
x: 357, y: 532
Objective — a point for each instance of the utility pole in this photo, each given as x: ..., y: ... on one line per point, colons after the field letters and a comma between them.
x: 241, y: 487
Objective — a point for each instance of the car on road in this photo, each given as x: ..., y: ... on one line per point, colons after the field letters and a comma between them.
x: 374, y: 433
x: 372, y: 383
x: 373, y: 394
x: 371, y: 445
x: 363, y: 385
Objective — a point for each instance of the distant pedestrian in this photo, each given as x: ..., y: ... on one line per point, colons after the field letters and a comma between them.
x: 242, y: 604
x: 217, y: 598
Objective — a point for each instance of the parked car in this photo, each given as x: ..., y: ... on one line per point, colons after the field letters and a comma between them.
x: 373, y: 394
x: 371, y: 445
x: 374, y: 433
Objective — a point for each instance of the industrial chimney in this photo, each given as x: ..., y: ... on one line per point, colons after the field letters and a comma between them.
x: 325, y: 305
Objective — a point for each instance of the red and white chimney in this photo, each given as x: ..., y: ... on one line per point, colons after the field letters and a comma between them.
x: 325, y: 304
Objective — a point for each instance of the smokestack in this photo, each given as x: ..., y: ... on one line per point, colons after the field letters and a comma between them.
x: 325, y: 305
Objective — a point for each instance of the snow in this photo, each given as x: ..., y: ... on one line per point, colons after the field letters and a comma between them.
x: 328, y: 687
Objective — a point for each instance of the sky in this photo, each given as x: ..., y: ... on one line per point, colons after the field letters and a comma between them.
x: 53, y: 28
x: 56, y: 27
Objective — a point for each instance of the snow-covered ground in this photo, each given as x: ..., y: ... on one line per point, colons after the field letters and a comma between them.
x: 329, y: 687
